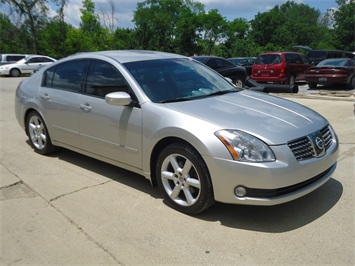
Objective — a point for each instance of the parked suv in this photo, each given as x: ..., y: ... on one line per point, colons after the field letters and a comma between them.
x: 10, y: 58
x: 280, y: 67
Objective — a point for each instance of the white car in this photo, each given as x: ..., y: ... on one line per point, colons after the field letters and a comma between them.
x: 26, y: 65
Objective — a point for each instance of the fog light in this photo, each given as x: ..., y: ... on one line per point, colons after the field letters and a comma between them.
x: 240, y: 191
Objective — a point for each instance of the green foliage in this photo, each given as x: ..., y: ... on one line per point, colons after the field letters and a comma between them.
x: 179, y: 26
x: 288, y: 25
x: 344, y: 28
x: 168, y: 25
x: 7, y: 34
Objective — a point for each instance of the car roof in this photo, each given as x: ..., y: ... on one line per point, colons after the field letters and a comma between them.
x: 280, y: 53
x: 207, y: 56
x: 126, y: 56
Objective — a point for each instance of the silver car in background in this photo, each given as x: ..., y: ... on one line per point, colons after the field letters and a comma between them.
x: 180, y: 124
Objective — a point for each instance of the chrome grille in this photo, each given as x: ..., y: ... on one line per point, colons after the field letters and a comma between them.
x: 302, y: 148
x: 327, y: 137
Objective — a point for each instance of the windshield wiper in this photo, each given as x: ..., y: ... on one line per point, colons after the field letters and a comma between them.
x: 221, y: 92
x: 182, y: 99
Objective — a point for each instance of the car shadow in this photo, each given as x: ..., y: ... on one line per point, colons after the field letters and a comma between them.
x: 272, y: 219
x: 279, y: 218
x: 333, y: 87
x: 112, y: 172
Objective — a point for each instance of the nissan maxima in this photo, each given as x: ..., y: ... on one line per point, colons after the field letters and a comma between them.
x: 180, y: 124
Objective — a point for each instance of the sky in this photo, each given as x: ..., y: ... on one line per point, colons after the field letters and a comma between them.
x: 230, y: 9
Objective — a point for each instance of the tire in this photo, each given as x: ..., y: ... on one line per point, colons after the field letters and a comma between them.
x: 183, y: 179
x: 15, y: 72
x: 312, y: 85
x: 351, y: 84
x: 239, y: 82
x: 38, y: 134
x: 291, y: 80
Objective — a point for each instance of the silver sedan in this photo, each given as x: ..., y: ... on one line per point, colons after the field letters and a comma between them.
x: 184, y: 127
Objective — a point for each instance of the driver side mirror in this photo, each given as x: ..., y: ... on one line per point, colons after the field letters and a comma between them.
x: 118, y: 98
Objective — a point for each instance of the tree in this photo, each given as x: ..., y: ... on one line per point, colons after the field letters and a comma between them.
x: 7, y: 35
x: 288, y: 25
x: 167, y: 25
x: 238, y: 42
x: 212, y: 30
x: 108, y: 20
x: 90, y: 22
x: 34, y: 13
x: 344, y: 25
x: 54, y: 30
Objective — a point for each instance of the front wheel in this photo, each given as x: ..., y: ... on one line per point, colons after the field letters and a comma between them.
x: 183, y: 179
x: 38, y: 134
x: 15, y: 72
x: 312, y: 85
x: 351, y: 84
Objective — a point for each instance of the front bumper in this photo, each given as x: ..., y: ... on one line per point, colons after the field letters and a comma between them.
x: 4, y: 72
x: 271, y: 183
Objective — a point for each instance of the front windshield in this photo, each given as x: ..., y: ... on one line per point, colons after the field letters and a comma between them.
x: 169, y: 80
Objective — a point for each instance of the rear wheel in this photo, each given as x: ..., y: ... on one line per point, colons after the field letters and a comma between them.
x: 183, y: 179
x: 38, y: 134
x: 292, y: 80
x: 239, y: 82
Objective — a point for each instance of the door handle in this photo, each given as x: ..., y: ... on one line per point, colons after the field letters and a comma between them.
x: 85, y: 107
x: 45, y: 97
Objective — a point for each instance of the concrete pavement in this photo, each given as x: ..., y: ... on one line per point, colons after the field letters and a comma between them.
x: 70, y: 209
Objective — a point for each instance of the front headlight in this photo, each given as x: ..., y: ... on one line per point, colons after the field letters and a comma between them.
x: 245, y: 147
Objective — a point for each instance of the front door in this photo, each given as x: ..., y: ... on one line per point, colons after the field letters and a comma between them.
x: 112, y: 132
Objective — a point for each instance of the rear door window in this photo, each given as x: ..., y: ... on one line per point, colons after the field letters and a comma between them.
x: 66, y: 76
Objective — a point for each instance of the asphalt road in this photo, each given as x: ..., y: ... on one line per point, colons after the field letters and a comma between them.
x: 70, y: 209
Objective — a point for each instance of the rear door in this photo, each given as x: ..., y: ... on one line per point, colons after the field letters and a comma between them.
x: 60, y: 95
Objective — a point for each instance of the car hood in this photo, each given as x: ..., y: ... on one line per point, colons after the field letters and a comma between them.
x: 272, y: 119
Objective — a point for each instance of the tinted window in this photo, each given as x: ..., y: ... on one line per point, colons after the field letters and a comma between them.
x: 66, y: 76
x: 14, y: 58
x: 335, y: 62
x: 216, y: 63
x: 293, y: 58
x: 104, y: 78
x: 212, y: 63
x: 224, y: 63
x: 176, y: 79
x: 305, y: 59
x: 268, y: 59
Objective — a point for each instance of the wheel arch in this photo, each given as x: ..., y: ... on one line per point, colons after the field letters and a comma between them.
x: 27, y: 112
x: 159, y: 147
x: 15, y: 68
